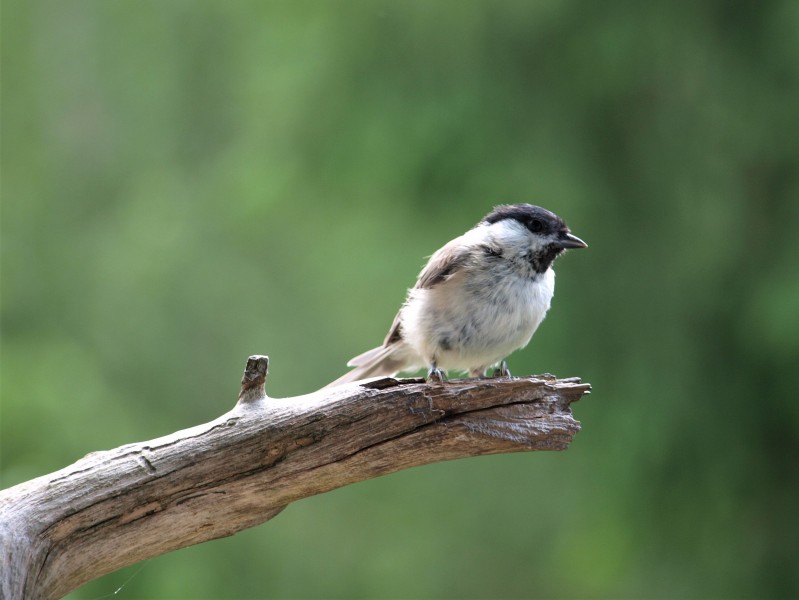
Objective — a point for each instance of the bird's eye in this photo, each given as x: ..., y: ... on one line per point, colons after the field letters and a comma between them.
x: 536, y: 225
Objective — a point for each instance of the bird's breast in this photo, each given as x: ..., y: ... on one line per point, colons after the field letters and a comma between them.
x: 477, y: 319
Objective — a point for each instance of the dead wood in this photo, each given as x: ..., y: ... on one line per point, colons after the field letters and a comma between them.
x: 114, y: 508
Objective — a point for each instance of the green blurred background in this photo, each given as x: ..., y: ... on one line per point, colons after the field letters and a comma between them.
x: 188, y: 183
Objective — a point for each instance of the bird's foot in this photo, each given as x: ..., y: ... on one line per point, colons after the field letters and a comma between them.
x: 436, y: 375
x: 502, y: 370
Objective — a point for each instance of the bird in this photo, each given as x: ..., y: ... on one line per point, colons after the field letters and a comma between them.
x: 479, y: 298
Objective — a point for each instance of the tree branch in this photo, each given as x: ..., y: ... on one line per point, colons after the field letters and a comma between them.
x: 114, y: 508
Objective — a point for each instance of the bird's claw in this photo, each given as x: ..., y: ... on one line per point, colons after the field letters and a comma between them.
x: 436, y: 375
x: 502, y: 370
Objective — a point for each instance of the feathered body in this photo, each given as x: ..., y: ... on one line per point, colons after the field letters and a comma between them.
x: 478, y: 299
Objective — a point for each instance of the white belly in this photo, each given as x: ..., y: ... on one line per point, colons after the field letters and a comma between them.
x: 480, y: 324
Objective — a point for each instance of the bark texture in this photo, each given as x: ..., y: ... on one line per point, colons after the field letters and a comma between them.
x: 114, y: 508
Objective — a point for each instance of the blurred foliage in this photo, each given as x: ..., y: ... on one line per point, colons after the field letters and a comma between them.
x: 186, y: 183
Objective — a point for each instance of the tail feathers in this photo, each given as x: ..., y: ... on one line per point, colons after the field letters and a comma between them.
x: 368, y: 357
x: 380, y: 361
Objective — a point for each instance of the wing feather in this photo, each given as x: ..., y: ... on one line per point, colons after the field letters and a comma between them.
x: 442, y: 265
x: 389, y: 358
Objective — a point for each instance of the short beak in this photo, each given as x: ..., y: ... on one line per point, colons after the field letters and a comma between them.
x: 567, y: 240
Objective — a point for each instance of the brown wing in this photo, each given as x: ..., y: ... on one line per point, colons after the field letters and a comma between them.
x: 442, y: 265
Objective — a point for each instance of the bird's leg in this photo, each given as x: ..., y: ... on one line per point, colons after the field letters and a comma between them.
x: 435, y: 375
x: 502, y: 370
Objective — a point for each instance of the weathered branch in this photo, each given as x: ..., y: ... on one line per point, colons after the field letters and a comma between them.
x: 114, y: 508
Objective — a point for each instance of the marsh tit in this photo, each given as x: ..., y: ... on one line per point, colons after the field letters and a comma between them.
x: 479, y: 298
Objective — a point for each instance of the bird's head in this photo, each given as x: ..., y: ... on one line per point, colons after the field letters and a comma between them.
x: 535, y: 233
